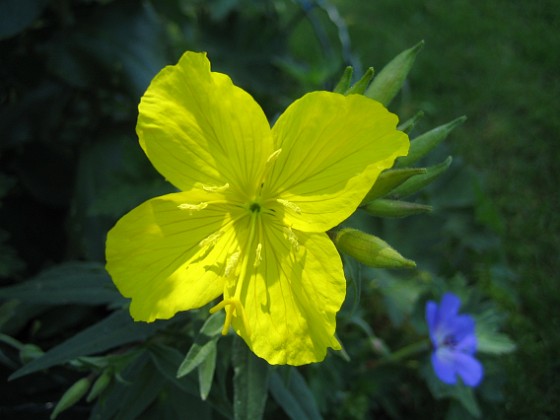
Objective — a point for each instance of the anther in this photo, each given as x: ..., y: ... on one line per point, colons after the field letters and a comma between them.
x: 289, y: 205
x: 232, y: 263
x: 193, y: 207
x: 292, y: 238
x: 258, y: 256
x: 211, y: 240
x: 213, y: 188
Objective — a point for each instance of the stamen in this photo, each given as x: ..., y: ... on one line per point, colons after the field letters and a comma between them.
x: 289, y: 205
x: 232, y: 263
x: 214, y: 188
x: 292, y: 238
x: 272, y: 158
x: 193, y: 207
x: 258, y: 256
x: 211, y: 240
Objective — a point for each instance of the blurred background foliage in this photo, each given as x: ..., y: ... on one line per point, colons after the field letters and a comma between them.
x: 71, y: 77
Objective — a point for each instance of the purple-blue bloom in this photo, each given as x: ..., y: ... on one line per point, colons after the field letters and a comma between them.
x: 454, y: 340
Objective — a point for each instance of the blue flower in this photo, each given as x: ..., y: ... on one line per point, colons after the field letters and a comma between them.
x: 454, y: 340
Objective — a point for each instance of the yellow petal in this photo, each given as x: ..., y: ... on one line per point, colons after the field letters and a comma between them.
x: 333, y: 149
x: 168, y: 254
x: 198, y: 129
x: 292, y: 298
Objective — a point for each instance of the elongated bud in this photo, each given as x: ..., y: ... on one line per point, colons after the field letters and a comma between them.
x: 71, y: 396
x: 370, y: 250
x: 409, y: 124
x: 100, y: 384
x: 29, y: 352
x: 361, y: 85
x: 395, y: 208
x: 416, y: 183
x: 387, y: 181
x: 344, y: 83
x: 423, y: 144
x: 390, y: 80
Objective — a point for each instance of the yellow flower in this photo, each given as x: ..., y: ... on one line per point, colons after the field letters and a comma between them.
x: 255, y: 203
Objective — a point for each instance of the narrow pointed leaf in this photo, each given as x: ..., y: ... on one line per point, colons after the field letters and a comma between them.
x: 206, y: 372
x: 115, y: 330
x: 204, y: 344
x: 294, y: 396
x: 70, y: 283
x: 71, y: 396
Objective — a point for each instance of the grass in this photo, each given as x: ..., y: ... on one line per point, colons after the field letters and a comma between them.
x: 495, y: 62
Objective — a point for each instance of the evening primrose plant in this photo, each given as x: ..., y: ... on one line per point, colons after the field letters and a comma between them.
x: 256, y: 261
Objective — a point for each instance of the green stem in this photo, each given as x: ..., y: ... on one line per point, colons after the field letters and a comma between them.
x: 405, y: 352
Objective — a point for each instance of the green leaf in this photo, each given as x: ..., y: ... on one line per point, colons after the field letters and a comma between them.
x: 17, y: 15
x: 206, y: 372
x: 204, y: 344
x: 250, y: 382
x: 84, y: 283
x: 291, y: 393
x: 115, y: 330
x: 489, y: 340
x: 166, y: 359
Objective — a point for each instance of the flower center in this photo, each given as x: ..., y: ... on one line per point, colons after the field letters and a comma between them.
x: 449, y: 341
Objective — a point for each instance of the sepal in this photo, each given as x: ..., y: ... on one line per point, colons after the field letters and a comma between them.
x: 71, y: 396
x: 361, y: 85
x: 344, y: 83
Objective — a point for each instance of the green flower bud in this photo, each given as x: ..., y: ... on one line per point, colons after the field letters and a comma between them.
x: 387, y: 181
x: 418, y: 182
x: 100, y: 384
x: 361, y: 85
x: 344, y: 83
x: 370, y: 250
x: 29, y: 352
x: 423, y: 144
x: 390, y: 80
x: 409, y: 124
x: 394, y: 208
x: 71, y: 396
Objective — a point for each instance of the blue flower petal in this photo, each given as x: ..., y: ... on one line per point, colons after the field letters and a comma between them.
x: 443, y: 362
x: 469, y: 369
x: 431, y: 319
x: 449, y: 307
x: 467, y: 344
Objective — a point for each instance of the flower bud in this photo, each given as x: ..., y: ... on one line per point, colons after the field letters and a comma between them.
x: 30, y: 352
x: 416, y: 183
x: 361, y: 85
x: 390, y: 80
x: 71, y: 396
x: 100, y: 384
x: 395, y: 208
x: 344, y: 83
x: 409, y: 124
x: 370, y: 250
x: 387, y: 181
x: 424, y: 143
